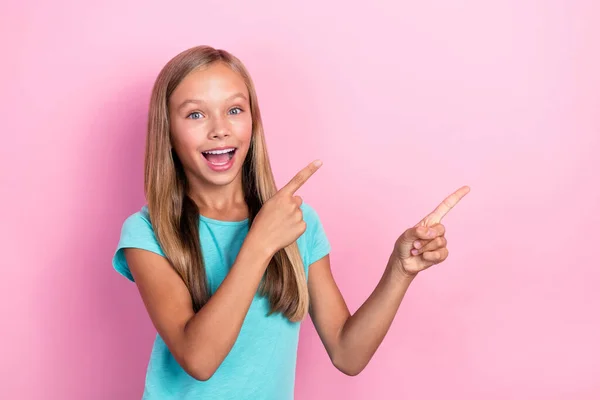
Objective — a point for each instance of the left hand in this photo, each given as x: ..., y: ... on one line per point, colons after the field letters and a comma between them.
x: 424, y: 245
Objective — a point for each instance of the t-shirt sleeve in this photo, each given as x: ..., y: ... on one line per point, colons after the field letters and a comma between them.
x: 318, y: 243
x: 136, y: 232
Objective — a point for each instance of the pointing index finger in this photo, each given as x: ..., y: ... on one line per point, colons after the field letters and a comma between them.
x: 446, y: 205
x: 301, y: 177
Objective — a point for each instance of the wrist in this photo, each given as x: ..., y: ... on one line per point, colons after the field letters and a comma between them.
x: 257, y: 247
x: 398, y: 272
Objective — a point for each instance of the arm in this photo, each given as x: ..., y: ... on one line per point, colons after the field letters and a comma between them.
x: 201, y: 341
x: 351, y: 340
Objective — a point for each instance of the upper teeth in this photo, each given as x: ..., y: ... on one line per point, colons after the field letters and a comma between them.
x: 219, y: 151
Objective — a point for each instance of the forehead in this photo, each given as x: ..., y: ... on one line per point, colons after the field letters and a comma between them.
x: 214, y: 83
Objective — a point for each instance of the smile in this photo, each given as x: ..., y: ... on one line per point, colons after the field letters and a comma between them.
x: 220, y: 159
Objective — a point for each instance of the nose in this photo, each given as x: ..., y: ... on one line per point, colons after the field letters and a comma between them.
x: 219, y: 129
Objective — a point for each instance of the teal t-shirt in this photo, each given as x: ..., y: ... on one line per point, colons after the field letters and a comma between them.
x: 262, y: 363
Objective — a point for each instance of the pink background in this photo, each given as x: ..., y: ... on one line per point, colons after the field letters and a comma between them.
x: 404, y: 102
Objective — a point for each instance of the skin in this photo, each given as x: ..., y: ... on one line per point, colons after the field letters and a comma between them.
x: 201, y: 341
x: 210, y: 109
x: 351, y: 340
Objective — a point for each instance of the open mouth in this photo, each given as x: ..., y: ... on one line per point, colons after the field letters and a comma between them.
x: 219, y: 157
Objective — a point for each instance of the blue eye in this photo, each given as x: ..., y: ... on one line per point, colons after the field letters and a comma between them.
x: 239, y: 110
x: 195, y: 115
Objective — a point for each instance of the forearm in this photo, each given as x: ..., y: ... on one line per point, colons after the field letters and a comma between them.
x: 364, y: 331
x: 212, y: 332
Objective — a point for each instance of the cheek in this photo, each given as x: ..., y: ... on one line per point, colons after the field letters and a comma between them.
x: 243, y: 129
x: 185, y: 140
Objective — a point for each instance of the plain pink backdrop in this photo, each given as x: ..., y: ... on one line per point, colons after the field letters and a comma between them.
x: 403, y: 101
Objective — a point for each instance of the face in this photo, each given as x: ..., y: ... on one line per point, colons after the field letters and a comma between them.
x: 211, y: 124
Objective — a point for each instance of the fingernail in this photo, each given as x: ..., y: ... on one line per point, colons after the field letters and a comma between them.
x: 318, y: 163
x: 417, y: 244
x: 431, y: 233
x: 414, y: 252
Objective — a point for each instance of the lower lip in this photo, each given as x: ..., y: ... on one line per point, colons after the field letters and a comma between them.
x: 221, y: 167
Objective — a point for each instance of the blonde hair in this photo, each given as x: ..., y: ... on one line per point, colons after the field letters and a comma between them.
x: 175, y: 217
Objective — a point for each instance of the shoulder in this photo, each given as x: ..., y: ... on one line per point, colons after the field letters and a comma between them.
x: 137, y: 222
x: 136, y: 232
x: 315, y: 241
x: 313, y: 221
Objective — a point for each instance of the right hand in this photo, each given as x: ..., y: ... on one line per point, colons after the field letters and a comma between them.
x: 279, y: 222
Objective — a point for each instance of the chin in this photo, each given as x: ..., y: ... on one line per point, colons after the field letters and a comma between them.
x: 221, y: 180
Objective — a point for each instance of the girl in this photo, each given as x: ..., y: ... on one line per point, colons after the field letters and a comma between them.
x: 221, y: 258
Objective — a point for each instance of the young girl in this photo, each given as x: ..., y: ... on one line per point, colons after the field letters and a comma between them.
x: 227, y: 265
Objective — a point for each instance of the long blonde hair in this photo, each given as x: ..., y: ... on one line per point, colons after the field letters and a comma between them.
x: 175, y: 217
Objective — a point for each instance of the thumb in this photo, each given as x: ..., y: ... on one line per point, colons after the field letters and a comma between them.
x: 405, y: 242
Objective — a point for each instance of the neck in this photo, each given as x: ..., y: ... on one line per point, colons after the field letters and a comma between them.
x: 220, y: 202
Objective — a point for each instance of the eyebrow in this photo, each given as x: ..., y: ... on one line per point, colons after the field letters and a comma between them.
x: 200, y: 101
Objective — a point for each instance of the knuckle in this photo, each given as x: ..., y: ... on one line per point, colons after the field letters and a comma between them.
x: 303, y: 226
x: 277, y: 198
